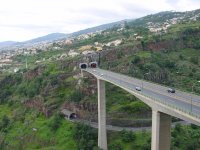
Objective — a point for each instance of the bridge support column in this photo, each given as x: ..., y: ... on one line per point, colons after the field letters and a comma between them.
x: 161, y: 131
x: 102, y: 137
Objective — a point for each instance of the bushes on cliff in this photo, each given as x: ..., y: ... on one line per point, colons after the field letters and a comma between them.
x: 85, y: 136
x: 135, y: 107
x: 55, y: 122
x: 127, y: 136
x: 4, y: 123
x: 76, y: 96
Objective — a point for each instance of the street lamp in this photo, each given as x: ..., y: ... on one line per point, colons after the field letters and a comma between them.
x: 143, y: 78
x: 194, y: 85
x: 193, y: 91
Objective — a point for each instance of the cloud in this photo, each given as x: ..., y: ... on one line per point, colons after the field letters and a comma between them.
x: 25, y: 19
x: 184, y: 5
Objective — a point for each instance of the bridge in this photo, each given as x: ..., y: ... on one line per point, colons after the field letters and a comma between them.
x: 163, y: 104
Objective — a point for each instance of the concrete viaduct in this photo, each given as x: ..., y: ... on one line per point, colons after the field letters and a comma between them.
x: 164, y: 105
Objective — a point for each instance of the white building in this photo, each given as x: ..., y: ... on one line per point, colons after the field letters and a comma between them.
x: 72, y: 53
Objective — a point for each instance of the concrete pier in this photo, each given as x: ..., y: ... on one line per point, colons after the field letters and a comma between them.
x: 102, y: 136
x: 161, y: 131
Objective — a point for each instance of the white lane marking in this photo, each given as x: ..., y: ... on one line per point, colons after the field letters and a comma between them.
x: 196, y: 109
x: 174, y: 96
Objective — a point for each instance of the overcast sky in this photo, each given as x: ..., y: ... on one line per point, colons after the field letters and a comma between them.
x: 26, y: 19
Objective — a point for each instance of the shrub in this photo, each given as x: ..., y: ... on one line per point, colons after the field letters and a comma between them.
x: 55, y: 122
x: 178, y: 127
x: 135, y: 107
x: 85, y: 136
x: 4, y: 123
x: 194, y: 59
x: 127, y: 136
x: 169, y: 64
x: 76, y: 96
x: 181, y: 57
x: 136, y: 60
x: 116, y: 146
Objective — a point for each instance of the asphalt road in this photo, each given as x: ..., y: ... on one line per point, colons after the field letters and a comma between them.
x: 118, y: 128
x: 182, y: 100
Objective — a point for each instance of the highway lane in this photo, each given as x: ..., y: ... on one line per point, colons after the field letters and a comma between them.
x: 157, y: 87
x: 151, y: 93
x: 179, y: 99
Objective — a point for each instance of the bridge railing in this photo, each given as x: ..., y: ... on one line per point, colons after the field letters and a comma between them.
x: 182, y: 109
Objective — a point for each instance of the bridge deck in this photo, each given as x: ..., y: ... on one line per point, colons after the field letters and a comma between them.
x: 186, y: 102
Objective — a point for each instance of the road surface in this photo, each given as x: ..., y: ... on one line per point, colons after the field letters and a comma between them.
x: 181, y: 100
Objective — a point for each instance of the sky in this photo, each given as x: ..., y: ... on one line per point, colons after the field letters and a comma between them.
x: 21, y: 20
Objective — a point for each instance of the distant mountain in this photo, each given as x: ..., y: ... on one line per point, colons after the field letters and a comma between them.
x: 49, y: 37
x: 166, y: 16
x: 98, y: 28
x: 7, y: 43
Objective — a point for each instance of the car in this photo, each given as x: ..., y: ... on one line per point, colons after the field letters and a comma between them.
x: 171, y: 90
x: 101, y: 74
x: 94, y: 70
x: 138, y: 88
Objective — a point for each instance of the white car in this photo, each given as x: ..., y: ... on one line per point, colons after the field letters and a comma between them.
x: 138, y: 88
x: 101, y: 74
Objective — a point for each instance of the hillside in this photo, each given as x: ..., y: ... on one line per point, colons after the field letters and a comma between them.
x: 49, y: 37
x: 7, y: 43
x: 10, y: 45
x: 31, y: 99
x: 98, y: 28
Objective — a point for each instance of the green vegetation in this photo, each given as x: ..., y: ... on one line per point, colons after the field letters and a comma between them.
x: 85, y: 136
x: 184, y: 137
x: 22, y: 128
x: 126, y: 140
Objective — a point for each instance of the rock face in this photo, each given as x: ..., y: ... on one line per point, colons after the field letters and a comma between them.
x: 34, y: 73
x: 37, y: 103
x: 164, y: 45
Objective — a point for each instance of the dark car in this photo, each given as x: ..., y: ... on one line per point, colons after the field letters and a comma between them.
x: 171, y: 90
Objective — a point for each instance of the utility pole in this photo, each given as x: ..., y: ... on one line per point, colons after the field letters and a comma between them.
x: 26, y: 63
x: 192, y: 92
x: 99, y: 59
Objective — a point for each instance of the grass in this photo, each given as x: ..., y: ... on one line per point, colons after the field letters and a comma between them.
x: 181, y: 27
x: 144, y: 54
x: 141, y: 139
x: 5, y: 110
x: 44, y: 137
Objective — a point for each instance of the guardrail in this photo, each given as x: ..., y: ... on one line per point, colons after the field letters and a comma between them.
x: 163, y: 102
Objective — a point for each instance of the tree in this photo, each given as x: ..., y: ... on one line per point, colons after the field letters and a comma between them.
x: 55, y: 122
x: 76, y: 96
x: 127, y: 136
x: 194, y: 60
x: 85, y: 136
x: 4, y: 123
x: 136, y: 60
x: 143, y: 45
